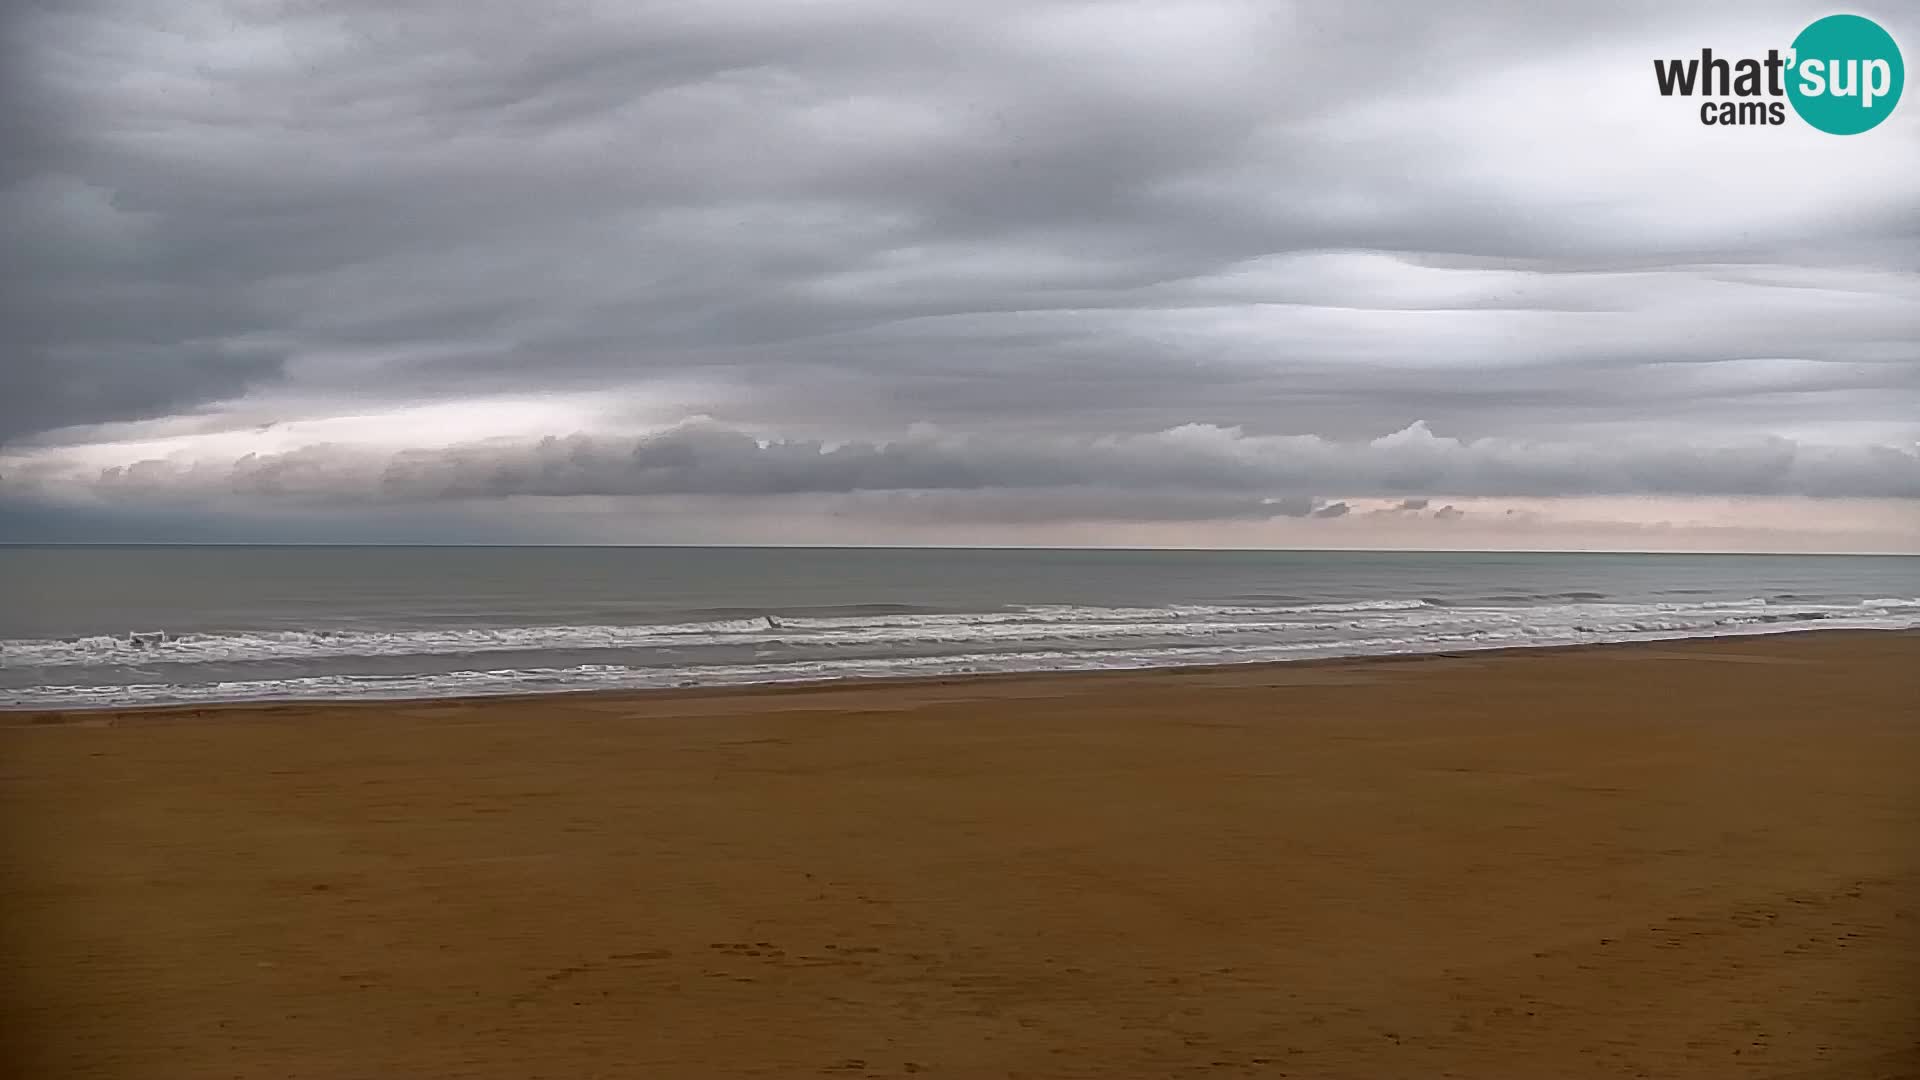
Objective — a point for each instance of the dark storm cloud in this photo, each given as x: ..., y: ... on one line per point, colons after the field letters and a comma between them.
x: 1056, y: 231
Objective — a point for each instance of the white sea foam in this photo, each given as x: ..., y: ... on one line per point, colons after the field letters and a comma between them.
x: 153, y: 666
x: 1036, y: 626
x: 587, y: 677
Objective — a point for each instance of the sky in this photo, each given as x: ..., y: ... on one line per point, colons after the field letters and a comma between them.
x: 1191, y: 273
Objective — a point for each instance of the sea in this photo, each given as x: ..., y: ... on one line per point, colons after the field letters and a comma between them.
x: 101, y: 626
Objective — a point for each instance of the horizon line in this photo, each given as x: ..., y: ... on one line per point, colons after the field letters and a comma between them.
x: 930, y: 547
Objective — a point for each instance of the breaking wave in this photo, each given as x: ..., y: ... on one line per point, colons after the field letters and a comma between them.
x: 155, y: 665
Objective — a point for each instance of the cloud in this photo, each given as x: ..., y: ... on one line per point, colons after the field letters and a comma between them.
x: 708, y: 458
x: 29, y: 520
x: 1217, y: 246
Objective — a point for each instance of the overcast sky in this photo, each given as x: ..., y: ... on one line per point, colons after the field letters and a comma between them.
x: 1398, y: 274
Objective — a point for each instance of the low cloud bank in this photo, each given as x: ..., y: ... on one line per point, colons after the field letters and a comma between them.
x: 1279, y: 475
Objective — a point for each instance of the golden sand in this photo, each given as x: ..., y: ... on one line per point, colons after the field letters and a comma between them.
x: 1683, y: 860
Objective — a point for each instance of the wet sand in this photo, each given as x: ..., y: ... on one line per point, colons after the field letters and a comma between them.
x: 1687, y: 859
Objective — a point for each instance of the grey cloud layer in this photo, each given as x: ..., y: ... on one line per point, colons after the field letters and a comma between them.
x: 1274, y: 476
x: 1186, y: 259
x: 1065, y: 215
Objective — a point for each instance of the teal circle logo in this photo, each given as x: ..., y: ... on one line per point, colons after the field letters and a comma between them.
x: 1846, y: 75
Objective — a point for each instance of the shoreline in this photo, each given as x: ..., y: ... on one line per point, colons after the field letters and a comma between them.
x: 40, y: 716
x: 1682, y: 858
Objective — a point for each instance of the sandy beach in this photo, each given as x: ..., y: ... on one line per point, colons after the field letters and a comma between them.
x: 1695, y: 859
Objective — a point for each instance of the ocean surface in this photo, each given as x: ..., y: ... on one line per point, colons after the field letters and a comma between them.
x: 102, y: 626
